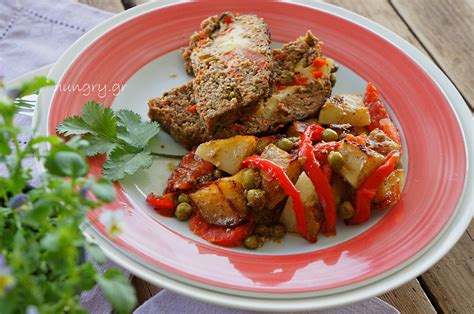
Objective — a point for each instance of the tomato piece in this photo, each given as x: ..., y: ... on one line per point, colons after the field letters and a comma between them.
x: 390, y: 129
x: 165, y: 205
x: 373, y: 102
x: 219, y: 235
x: 185, y: 176
x: 379, y: 117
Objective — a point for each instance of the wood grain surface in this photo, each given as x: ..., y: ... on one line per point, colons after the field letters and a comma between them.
x: 450, y: 282
x: 409, y: 298
x: 444, y: 31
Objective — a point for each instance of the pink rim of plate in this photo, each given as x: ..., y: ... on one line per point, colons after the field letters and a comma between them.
x: 435, y: 175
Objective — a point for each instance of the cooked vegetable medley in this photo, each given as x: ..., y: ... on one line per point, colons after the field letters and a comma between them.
x: 246, y: 190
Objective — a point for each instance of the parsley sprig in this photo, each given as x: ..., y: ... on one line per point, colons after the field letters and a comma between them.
x: 121, y: 135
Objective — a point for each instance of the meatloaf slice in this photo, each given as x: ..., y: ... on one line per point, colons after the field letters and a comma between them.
x: 298, y: 92
x: 176, y: 114
x: 232, y: 62
x: 290, y: 101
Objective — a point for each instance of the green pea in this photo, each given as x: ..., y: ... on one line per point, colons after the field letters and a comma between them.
x: 285, y: 144
x: 183, y: 211
x: 249, y: 179
x: 346, y: 210
x: 329, y: 135
x: 253, y: 242
x: 335, y: 160
x: 256, y: 198
x: 278, y: 231
x: 263, y: 231
x: 231, y: 95
x: 218, y: 173
x: 183, y: 198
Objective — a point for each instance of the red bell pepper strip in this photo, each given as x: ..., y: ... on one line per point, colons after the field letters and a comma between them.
x: 318, y: 178
x: 277, y: 173
x: 368, y: 189
x: 219, y: 235
x: 165, y: 205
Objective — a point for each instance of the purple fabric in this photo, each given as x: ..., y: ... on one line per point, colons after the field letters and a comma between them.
x: 169, y: 302
x: 34, y: 33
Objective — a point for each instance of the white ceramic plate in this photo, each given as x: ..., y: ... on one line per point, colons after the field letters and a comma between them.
x: 142, y: 88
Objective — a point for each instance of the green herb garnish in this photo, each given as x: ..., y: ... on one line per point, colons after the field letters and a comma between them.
x: 42, y: 247
x: 121, y: 135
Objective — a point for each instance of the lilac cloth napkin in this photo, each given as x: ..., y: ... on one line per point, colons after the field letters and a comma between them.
x: 34, y: 33
x: 169, y: 302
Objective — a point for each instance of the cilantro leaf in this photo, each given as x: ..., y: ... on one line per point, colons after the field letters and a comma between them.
x: 74, y: 125
x: 101, y: 119
x: 123, y: 162
x: 133, y: 131
x: 121, y: 135
x: 95, y: 119
x: 99, y: 145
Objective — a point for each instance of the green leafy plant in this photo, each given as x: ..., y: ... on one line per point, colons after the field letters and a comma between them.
x: 42, y: 248
x: 121, y: 135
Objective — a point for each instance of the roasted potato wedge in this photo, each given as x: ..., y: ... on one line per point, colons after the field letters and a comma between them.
x: 227, y: 154
x: 233, y: 191
x: 345, y: 109
x: 310, y: 201
x: 291, y: 166
x: 220, y: 203
x: 359, y: 162
x: 389, y: 191
x: 341, y: 190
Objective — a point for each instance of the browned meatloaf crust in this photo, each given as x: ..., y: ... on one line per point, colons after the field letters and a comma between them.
x: 232, y: 61
x: 174, y: 110
x: 175, y: 113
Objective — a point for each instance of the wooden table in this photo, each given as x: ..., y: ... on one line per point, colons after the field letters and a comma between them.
x: 444, y: 31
